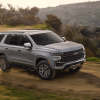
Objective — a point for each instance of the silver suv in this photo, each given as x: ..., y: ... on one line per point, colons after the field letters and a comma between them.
x: 40, y: 50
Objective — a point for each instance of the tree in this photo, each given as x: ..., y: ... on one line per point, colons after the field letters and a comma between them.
x: 96, y: 29
x: 28, y: 11
x: 53, y: 22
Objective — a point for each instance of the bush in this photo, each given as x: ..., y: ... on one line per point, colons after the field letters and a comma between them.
x: 13, y: 21
x: 85, y: 31
x: 31, y: 20
x: 84, y: 36
x: 69, y: 35
x: 96, y: 29
x: 89, y: 53
x: 40, y: 26
x: 54, y: 22
x: 97, y: 52
x: 27, y: 20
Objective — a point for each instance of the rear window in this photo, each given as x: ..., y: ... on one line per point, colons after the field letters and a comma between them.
x: 1, y: 37
x: 12, y: 39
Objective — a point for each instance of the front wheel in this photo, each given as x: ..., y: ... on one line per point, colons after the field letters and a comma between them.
x: 75, y: 69
x: 44, y: 70
x: 4, y: 64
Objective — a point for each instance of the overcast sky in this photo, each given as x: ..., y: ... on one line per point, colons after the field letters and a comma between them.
x: 40, y: 3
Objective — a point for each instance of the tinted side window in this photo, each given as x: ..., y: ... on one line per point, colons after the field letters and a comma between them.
x: 1, y: 37
x: 12, y: 39
x: 24, y: 39
x: 7, y: 39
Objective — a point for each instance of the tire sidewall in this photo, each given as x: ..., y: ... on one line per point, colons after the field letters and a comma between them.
x: 7, y: 67
x: 51, y: 70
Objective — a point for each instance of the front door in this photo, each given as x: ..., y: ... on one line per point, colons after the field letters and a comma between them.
x: 25, y: 55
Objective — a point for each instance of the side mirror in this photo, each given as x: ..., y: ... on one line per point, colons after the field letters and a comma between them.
x: 64, y: 38
x: 28, y: 45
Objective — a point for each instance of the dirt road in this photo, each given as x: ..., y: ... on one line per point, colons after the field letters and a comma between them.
x: 87, y: 80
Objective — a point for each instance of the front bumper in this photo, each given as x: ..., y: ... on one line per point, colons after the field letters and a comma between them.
x: 70, y: 64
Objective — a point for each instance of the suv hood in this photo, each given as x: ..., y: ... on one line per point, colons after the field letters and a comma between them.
x: 62, y: 46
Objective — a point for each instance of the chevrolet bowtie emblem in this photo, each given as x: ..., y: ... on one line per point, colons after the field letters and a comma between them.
x: 75, y: 53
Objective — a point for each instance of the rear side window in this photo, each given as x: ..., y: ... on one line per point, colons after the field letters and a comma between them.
x: 7, y: 39
x: 24, y: 39
x: 12, y: 39
x: 1, y: 37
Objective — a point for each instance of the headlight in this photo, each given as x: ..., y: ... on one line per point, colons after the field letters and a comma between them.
x: 83, y: 48
x: 56, y: 54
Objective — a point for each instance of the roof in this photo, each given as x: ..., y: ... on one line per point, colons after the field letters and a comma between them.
x: 28, y: 31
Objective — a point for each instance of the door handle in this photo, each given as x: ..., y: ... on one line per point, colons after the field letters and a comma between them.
x: 19, y: 50
x: 6, y: 48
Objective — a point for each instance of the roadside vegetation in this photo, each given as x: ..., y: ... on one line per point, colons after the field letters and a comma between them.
x: 92, y: 59
x: 7, y: 93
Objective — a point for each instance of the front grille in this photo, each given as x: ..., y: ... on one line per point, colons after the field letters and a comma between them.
x: 72, y: 55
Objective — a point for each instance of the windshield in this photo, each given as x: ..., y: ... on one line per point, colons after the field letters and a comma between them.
x: 46, y: 38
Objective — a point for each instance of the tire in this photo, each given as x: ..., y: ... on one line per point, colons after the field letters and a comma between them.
x: 4, y: 64
x: 44, y: 70
x: 75, y: 69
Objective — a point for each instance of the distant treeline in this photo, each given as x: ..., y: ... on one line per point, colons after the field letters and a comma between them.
x: 14, y: 17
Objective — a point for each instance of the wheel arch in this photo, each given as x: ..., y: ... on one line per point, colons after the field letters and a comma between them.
x: 2, y: 54
x: 38, y: 59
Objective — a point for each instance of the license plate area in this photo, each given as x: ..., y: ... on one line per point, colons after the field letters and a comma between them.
x: 75, y: 66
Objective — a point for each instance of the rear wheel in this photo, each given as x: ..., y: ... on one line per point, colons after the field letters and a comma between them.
x: 44, y: 70
x: 75, y: 69
x: 4, y: 64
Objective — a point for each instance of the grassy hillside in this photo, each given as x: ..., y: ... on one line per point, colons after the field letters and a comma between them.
x: 8, y: 93
x: 87, y: 14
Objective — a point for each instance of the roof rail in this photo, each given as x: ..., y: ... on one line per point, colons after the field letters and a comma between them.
x: 12, y: 32
x: 32, y: 29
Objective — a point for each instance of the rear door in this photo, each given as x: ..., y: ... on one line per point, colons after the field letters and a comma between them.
x: 11, y: 47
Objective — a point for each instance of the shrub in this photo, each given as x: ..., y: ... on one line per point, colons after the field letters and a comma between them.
x: 54, y: 22
x: 89, y: 53
x: 40, y: 26
x: 85, y: 31
x: 13, y: 21
x: 69, y: 35
x: 81, y: 35
x: 97, y: 52
x: 96, y: 29
x: 27, y: 20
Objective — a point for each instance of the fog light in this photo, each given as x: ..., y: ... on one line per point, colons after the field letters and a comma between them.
x: 56, y: 58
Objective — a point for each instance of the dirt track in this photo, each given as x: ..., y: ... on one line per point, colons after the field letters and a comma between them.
x: 87, y: 80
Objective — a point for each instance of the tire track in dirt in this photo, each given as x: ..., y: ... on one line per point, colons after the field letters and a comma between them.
x: 86, y: 80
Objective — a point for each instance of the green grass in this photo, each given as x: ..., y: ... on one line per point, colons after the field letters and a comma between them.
x: 7, y: 93
x: 40, y: 26
x: 5, y: 26
x: 93, y: 59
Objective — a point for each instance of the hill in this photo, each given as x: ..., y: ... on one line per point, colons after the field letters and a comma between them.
x: 87, y: 14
